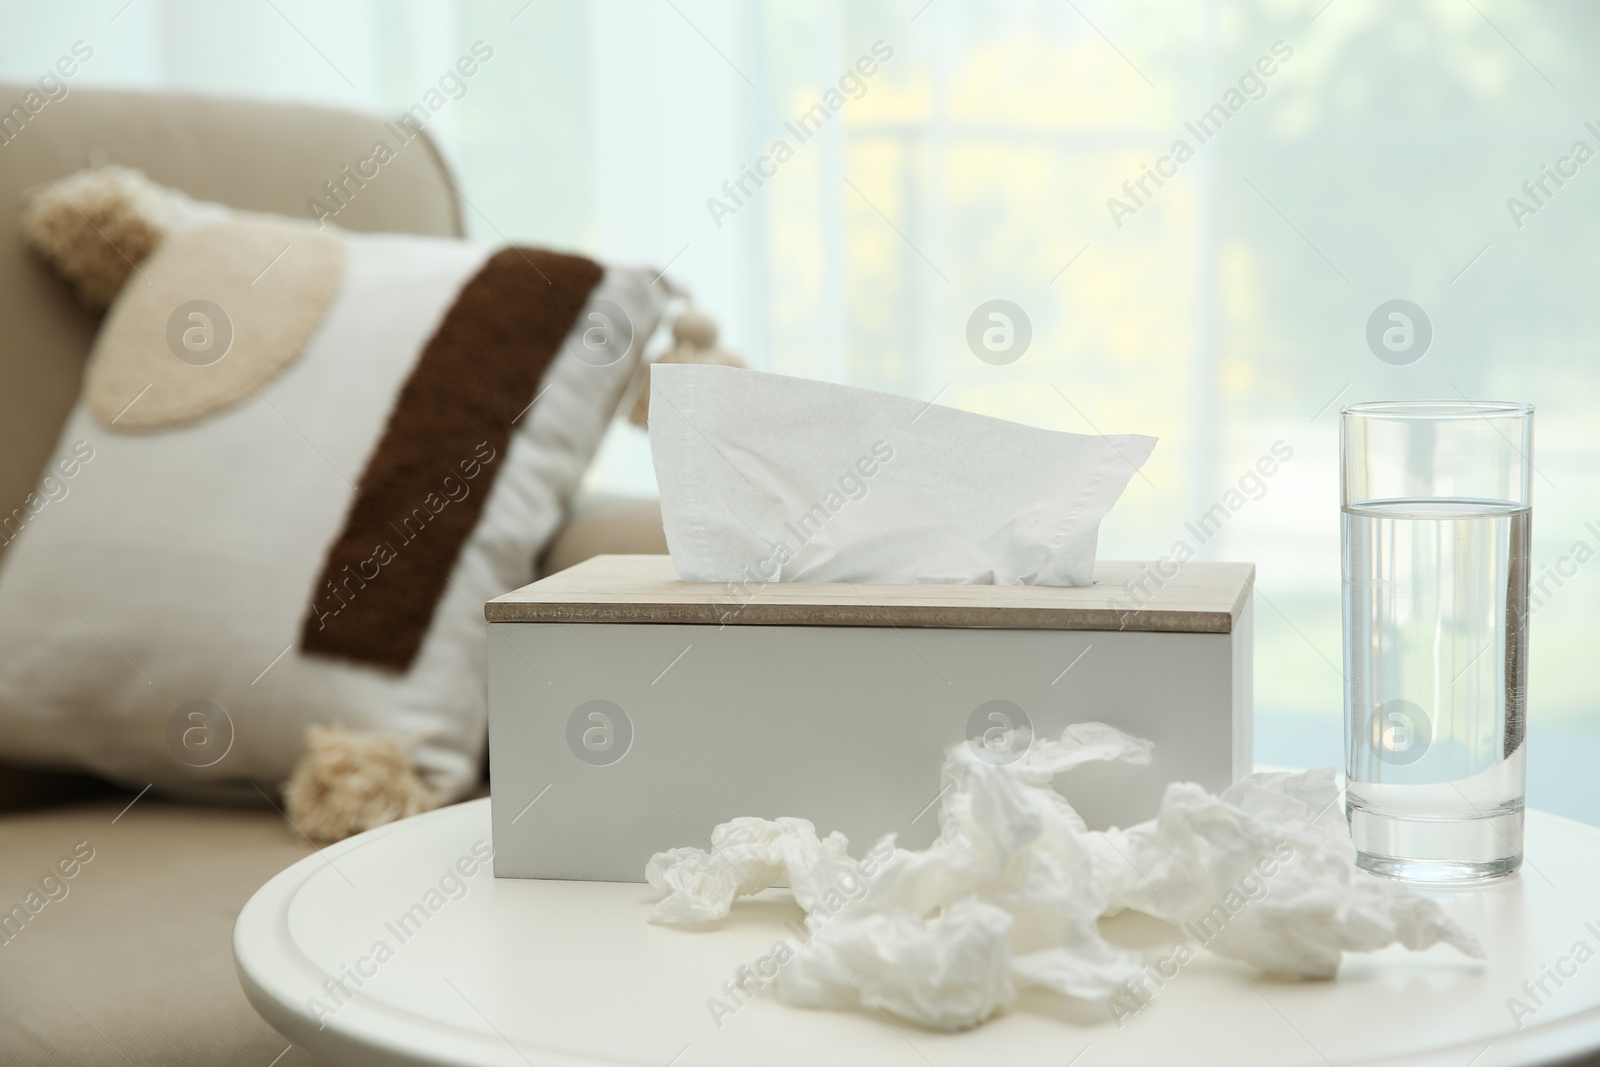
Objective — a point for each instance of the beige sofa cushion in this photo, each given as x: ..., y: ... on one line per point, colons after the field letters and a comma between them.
x: 133, y: 963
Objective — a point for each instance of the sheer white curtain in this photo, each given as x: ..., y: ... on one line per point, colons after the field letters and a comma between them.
x: 1340, y: 156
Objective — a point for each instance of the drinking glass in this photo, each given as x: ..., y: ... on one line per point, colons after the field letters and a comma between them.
x: 1435, y: 510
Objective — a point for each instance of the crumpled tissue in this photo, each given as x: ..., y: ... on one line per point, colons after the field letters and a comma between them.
x: 1011, y: 893
x: 766, y: 478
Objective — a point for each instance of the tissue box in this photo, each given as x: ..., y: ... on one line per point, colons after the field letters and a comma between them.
x: 630, y: 712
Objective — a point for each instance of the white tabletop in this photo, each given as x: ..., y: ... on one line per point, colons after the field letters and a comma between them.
x: 519, y: 973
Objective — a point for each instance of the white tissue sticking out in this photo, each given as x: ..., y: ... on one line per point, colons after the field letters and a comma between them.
x: 766, y: 478
x: 1010, y: 894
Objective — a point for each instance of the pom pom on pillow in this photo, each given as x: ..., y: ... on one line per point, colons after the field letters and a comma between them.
x: 96, y: 226
x: 349, y: 781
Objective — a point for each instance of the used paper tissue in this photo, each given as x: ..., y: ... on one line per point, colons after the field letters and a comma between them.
x: 1011, y: 893
x: 768, y: 478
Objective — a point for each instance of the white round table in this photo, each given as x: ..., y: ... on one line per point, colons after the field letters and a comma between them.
x: 438, y: 968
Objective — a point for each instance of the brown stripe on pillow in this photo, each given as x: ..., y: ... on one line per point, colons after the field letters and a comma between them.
x: 450, y: 428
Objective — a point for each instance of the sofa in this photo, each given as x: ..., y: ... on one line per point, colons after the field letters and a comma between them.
x: 133, y: 963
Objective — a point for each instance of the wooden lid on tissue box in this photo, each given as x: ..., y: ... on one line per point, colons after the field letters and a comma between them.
x: 1163, y: 597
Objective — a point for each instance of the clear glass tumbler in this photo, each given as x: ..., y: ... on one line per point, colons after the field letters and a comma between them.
x: 1435, y: 514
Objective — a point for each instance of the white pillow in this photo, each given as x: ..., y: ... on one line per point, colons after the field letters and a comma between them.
x: 174, y: 570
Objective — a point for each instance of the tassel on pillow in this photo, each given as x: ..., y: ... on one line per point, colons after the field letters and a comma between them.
x: 95, y: 226
x: 349, y: 781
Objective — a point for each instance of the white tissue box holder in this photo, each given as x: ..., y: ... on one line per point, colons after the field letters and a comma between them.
x: 630, y: 712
